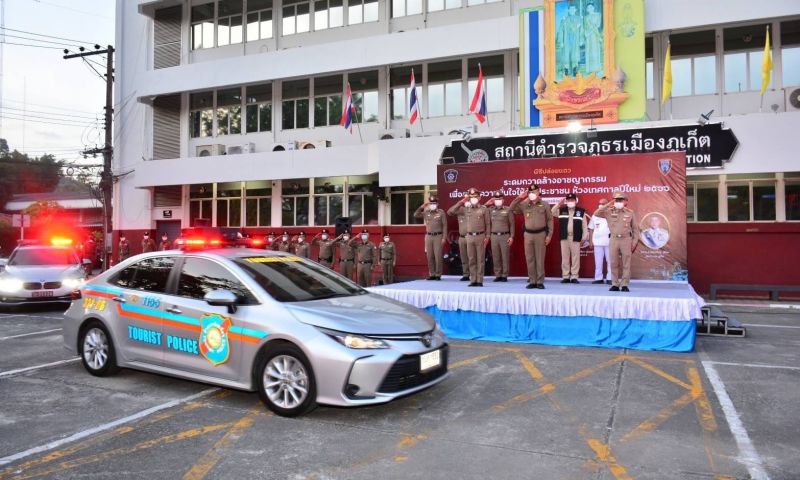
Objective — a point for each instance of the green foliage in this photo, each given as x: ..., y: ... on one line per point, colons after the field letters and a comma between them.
x: 44, y: 213
x: 20, y: 173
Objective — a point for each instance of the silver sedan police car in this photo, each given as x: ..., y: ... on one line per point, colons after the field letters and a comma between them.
x: 292, y: 330
x: 40, y: 274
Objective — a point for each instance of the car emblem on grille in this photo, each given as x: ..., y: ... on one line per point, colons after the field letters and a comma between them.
x: 426, y: 340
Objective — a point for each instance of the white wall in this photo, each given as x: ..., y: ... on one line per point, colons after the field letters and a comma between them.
x: 676, y: 14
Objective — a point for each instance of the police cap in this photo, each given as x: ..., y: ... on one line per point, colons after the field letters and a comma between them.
x: 498, y: 194
x: 473, y: 192
x: 572, y: 196
x: 619, y: 195
x: 364, y: 230
x: 533, y: 188
x: 433, y: 199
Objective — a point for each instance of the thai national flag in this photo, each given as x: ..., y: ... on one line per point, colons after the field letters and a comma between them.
x: 478, y: 105
x: 413, y: 109
x: 348, y: 111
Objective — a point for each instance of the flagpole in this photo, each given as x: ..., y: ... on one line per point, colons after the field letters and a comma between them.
x: 486, y: 99
x: 358, y: 124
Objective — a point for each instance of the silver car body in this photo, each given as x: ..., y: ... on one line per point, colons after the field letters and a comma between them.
x: 40, y: 283
x: 161, y: 332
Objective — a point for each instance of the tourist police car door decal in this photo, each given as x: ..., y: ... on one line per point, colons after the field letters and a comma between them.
x: 214, y: 343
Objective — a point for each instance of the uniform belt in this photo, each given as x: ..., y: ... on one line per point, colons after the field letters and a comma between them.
x: 362, y: 263
x: 463, y: 236
x: 475, y: 233
x: 537, y: 230
x: 500, y: 233
x: 433, y: 233
x: 620, y: 236
x: 345, y: 260
x: 325, y: 259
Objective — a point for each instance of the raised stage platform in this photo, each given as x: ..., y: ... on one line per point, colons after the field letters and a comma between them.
x: 653, y: 316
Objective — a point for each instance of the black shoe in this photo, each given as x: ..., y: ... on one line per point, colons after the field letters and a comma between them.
x: 531, y: 285
x: 565, y: 280
x: 465, y: 278
x: 624, y: 289
x: 598, y: 282
x: 473, y: 284
x: 503, y: 279
x: 540, y: 286
x: 574, y: 280
x: 614, y: 289
x: 478, y: 284
x: 438, y: 278
x: 498, y: 279
x: 431, y: 278
x: 608, y: 282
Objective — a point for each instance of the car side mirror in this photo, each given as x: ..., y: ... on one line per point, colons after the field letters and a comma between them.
x: 222, y: 298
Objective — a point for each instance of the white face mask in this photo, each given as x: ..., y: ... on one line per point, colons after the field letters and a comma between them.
x: 164, y: 239
x: 364, y: 236
x: 346, y: 237
x: 385, y: 239
x: 570, y: 204
x: 532, y: 196
x: 474, y: 200
x: 324, y: 236
x: 301, y: 239
x: 619, y: 205
x: 433, y: 206
x: 271, y: 239
x: 285, y: 238
x: 498, y: 203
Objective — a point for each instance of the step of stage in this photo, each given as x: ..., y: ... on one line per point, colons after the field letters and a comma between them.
x: 717, y: 324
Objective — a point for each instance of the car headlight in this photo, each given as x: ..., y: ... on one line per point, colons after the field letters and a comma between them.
x: 10, y: 284
x: 73, y: 283
x: 357, y: 342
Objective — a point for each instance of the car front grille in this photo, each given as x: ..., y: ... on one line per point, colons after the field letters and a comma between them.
x: 32, y: 285
x: 52, y: 285
x: 405, y: 373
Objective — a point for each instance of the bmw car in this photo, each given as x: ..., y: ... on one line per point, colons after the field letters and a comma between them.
x: 36, y: 274
x: 286, y: 327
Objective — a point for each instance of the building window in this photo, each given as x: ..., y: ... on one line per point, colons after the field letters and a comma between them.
x: 328, y: 14
x: 328, y: 200
x: 493, y: 72
x: 694, y: 68
x: 751, y: 201
x: 403, y: 202
x: 200, y: 200
x: 327, y: 101
x: 201, y: 114
x: 790, y: 52
x: 648, y: 55
x: 229, y: 22
x: 229, y: 204
x: 295, y: 104
x: 203, y: 26
x: 399, y: 81
x: 438, y: 5
x: 259, y: 108
x: 362, y: 205
x: 444, y: 88
x: 229, y: 111
x: 792, y: 200
x: 364, y: 86
x: 706, y: 202
x: 259, y: 20
x: 744, y: 51
x: 402, y: 8
x: 258, y: 203
x: 362, y: 11
x: 296, y: 17
x: 294, y: 202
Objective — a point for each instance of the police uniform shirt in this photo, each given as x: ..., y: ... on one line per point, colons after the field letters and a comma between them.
x: 387, y: 251
x: 502, y: 220
x: 537, y: 215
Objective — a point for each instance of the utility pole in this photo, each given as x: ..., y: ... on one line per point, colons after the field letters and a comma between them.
x: 106, y: 177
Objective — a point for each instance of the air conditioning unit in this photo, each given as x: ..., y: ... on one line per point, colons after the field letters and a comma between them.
x: 243, y: 148
x: 209, y: 150
x: 394, y: 133
x: 282, y: 147
x: 793, y: 99
x: 312, y: 144
x: 429, y: 134
x: 470, y: 129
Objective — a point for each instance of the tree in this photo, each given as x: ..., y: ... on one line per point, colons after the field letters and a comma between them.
x: 21, y: 174
x: 44, y: 213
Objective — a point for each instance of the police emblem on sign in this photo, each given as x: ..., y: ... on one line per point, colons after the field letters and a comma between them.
x: 665, y: 165
x: 214, y: 344
x: 450, y: 175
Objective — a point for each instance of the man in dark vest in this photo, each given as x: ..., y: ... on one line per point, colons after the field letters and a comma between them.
x: 573, y: 231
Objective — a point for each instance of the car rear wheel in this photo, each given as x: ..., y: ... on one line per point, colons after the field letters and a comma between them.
x: 285, y: 381
x: 97, y: 350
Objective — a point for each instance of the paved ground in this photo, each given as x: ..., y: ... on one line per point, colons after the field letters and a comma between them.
x: 506, y: 412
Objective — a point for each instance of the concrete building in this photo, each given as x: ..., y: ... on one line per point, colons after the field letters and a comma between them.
x: 228, y: 111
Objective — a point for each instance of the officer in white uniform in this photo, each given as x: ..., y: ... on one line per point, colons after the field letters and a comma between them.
x: 600, y: 236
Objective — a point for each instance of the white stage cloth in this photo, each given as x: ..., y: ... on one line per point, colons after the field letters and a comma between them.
x: 647, y: 300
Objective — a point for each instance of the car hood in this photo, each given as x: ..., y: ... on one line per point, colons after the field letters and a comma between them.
x: 45, y: 273
x: 369, y: 314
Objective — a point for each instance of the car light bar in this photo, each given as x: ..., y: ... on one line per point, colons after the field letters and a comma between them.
x: 60, y: 242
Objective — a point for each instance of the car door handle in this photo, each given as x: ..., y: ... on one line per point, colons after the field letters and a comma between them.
x: 175, y: 310
x: 118, y: 299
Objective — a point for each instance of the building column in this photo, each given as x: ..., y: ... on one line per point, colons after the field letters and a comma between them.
x: 722, y: 197
x: 276, y: 203
x: 780, y: 197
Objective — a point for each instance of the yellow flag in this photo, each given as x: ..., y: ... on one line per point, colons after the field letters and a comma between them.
x: 766, y: 65
x: 666, y: 88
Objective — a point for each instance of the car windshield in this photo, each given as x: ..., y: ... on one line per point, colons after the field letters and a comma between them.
x: 42, y: 256
x: 293, y: 279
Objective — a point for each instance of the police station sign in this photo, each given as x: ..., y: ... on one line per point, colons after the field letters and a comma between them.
x: 706, y: 146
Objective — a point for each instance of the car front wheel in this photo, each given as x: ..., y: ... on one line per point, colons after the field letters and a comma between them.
x: 97, y: 350
x: 285, y: 381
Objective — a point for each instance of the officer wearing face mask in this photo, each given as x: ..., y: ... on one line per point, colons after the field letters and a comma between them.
x: 388, y: 254
x: 478, y: 228
x: 538, y: 229
x: 365, y: 257
x: 346, y: 255
x: 124, y: 247
x: 271, y: 241
x: 624, y: 230
x: 435, y: 235
x: 165, y: 243
x: 148, y: 244
x: 326, y: 247
x: 462, y: 237
x: 502, y: 235
x: 283, y: 244
x: 573, y: 230
x: 301, y: 248
x: 600, y: 238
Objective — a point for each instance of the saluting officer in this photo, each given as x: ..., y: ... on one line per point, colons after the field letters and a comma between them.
x: 301, y: 248
x: 124, y: 247
x: 283, y: 244
x: 165, y: 243
x: 502, y: 236
x: 326, y: 247
x: 346, y: 255
x: 624, y: 238
x: 365, y: 257
x: 478, y: 228
x: 538, y: 230
x: 148, y: 244
x: 462, y: 237
x: 572, y: 230
x: 271, y: 245
x: 435, y: 235
x: 388, y: 259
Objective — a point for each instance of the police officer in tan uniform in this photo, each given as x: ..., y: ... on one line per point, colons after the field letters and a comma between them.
x: 301, y: 248
x: 148, y: 244
x: 435, y: 235
x: 478, y: 228
x: 462, y: 238
x: 270, y: 242
x: 573, y: 231
x: 388, y: 255
x: 283, y: 244
x: 326, y: 247
x: 502, y: 236
x: 624, y: 237
x: 124, y: 247
x: 346, y: 255
x: 365, y: 256
x: 538, y: 230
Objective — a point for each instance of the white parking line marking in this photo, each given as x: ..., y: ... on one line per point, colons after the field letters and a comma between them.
x: 756, y: 365
x: 761, y: 325
x: 11, y: 373
x: 104, y: 427
x: 747, y: 452
x: 29, y: 334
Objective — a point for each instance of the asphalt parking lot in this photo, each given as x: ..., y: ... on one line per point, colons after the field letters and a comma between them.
x: 727, y: 410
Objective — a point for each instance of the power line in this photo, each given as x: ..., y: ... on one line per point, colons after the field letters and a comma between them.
x: 47, y: 36
x: 46, y: 106
x: 65, y: 120
x: 29, y: 45
x: 42, y: 121
x: 38, y: 40
x: 93, y: 69
x: 72, y: 9
x: 71, y: 115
